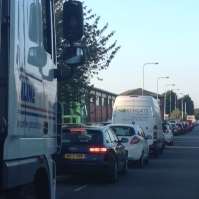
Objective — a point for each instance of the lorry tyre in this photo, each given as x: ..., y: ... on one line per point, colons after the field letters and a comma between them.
x: 41, y: 183
x: 13, y: 193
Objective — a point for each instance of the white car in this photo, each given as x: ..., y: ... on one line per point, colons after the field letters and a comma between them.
x: 168, y: 134
x: 135, y: 141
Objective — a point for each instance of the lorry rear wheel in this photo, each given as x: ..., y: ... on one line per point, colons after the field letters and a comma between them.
x: 22, y: 192
x: 41, y: 183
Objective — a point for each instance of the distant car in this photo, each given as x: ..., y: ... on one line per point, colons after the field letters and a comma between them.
x: 134, y: 139
x: 173, y: 128
x: 180, y: 128
x: 92, y: 150
x: 168, y: 134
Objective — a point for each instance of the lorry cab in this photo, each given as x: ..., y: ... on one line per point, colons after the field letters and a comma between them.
x: 28, y: 94
x: 28, y: 91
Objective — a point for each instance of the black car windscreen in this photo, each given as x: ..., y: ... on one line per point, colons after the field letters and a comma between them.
x: 89, y: 137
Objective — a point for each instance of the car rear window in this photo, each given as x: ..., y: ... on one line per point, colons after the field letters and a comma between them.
x: 123, y: 131
x: 87, y: 137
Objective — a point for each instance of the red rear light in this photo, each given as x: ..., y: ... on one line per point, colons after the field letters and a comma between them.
x: 97, y: 150
x: 77, y: 130
x: 135, y: 140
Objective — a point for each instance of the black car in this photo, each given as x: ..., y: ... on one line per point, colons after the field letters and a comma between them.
x: 92, y: 150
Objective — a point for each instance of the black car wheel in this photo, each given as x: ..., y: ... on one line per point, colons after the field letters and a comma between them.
x: 155, y: 152
x: 147, y: 160
x: 125, y: 167
x: 113, y: 171
x: 140, y: 162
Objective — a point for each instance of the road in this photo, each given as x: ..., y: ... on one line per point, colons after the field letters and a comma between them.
x: 174, y: 175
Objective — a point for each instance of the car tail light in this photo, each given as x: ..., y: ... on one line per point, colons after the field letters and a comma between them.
x: 135, y: 140
x: 97, y: 150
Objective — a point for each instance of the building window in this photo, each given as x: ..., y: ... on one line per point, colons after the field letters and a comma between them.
x: 97, y: 101
x: 103, y: 101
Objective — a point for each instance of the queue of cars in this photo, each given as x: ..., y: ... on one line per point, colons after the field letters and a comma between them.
x: 179, y: 127
x: 135, y: 132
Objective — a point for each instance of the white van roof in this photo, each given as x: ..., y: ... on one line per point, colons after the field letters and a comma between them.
x: 131, y: 98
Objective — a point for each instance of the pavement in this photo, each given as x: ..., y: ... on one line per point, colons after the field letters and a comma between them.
x: 174, y: 175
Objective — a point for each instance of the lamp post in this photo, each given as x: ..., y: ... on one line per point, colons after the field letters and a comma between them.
x: 143, y: 67
x: 167, y: 77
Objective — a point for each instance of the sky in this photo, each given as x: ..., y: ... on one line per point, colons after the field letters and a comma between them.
x: 164, y: 31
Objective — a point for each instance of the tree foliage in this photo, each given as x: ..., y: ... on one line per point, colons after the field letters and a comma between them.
x: 176, y: 115
x: 196, y: 113
x: 188, y: 104
x: 99, y: 51
x: 172, y: 102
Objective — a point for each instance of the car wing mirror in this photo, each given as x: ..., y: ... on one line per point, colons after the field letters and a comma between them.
x: 37, y: 56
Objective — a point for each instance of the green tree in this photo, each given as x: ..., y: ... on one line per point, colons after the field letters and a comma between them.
x: 176, y: 115
x: 99, y: 48
x: 196, y: 112
x: 188, y: 105
x: 171, y: 101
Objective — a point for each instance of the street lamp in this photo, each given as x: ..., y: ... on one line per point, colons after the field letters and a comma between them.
x: 145, y: 64
x: 167, y: 77
x: 171, y: 85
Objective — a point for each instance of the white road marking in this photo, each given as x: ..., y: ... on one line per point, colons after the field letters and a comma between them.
x: 187, y: 137
x: 80, y: 188
x: 182, y: 147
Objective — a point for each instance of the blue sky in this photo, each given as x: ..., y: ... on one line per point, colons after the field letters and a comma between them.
x: 166, y: 31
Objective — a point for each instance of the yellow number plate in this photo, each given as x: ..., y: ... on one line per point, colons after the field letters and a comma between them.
x: 74, y: 156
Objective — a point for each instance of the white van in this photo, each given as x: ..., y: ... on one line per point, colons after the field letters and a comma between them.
x: 145, y: 112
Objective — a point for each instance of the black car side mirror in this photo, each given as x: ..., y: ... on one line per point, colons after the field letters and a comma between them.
x: 74, y: 56
x: 73, y: 25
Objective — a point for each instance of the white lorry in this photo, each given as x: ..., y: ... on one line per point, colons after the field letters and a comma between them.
x: 29, y: 119
x: 145, y: 112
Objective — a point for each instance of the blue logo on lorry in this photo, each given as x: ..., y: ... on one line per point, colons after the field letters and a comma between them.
x: 27, y: 92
